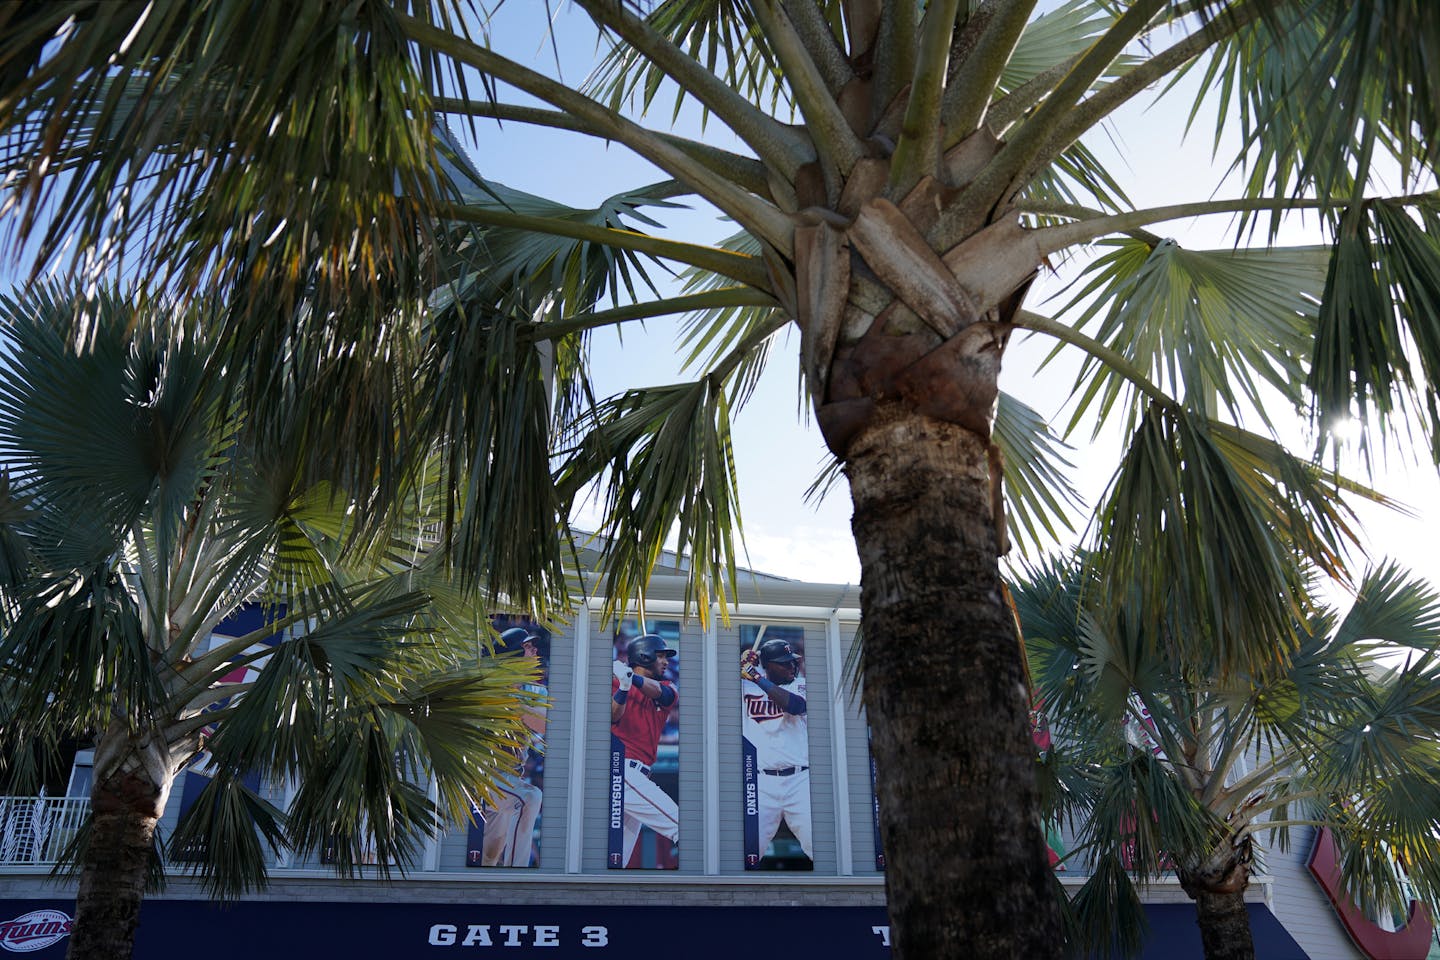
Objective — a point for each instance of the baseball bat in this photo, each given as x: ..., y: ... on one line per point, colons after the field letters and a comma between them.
x: 759, y: 635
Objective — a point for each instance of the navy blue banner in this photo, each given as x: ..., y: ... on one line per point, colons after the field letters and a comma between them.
x: 299, y: 930
x: 875, y: 810
x: 753, y: 853
x: 475, y: 838
x: 615, y: 845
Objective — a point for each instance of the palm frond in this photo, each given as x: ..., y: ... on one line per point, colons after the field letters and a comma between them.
x: 1392, y: 606
x: 1038, y: 492
x: 720, y: 34
x: 1106, y: 913
x: 1380, y: 298
x: 301, y: 681
x: 1054, y: 37
x: 15, y: 557
x: 1076, y: 177
x: 235, y: 827
x: 1200, y: 521
x: 1218, y: 324
x: 222, y: 141
x: 664, y: 462
x: 1313, y: 100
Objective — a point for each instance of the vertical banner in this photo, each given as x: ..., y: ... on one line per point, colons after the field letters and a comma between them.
x: 1040, y: 736
x: 506, y: 832
x: 644, y: 768
x: 775, y: 745
x: 249, y: 619
x: 874, y: 806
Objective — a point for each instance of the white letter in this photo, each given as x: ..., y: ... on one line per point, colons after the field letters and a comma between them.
x: 594, y: 936
x: 478, y: 936
x: 883, y: 933
x: 512, y: 934
x: 442, y: 935
x: 546, y: 936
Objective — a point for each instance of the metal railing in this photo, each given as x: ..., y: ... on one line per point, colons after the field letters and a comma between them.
x: 34, y: 831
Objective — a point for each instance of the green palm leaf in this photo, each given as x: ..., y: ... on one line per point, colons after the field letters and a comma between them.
x: 1055, y: 37
x: 1219, y: 531
x: 664, y: 462
x: 1038, y: 494
x: 201, y: 116
x: 1217, y: 325
x: 1379, y: 301
x: 718, y: 33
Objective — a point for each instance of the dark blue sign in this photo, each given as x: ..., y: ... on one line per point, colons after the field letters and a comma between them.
x: 299, y: 930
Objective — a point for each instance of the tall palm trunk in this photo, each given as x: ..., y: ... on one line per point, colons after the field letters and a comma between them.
x: 133, y: 776
x: 945, y: 691
x: 1224, y: 926
x: 1217, y: 885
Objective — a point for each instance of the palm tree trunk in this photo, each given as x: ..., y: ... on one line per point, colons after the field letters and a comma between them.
x: 133, y: 776
x: 1224, y: 926
x: 967, y: 875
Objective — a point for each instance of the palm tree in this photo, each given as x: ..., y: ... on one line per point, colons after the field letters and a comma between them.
x: 899, y: 173
x: 138, y: 514
x: 1170, y: 762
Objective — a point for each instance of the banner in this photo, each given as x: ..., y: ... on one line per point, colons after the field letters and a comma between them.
x: 775, y: 745
x: 505, y: 832
x: 644, y: 761
x: 249, y: 618
x: 875, y: 806
x: 307, y: 929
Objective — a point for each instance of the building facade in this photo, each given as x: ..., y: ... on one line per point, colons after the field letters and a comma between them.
x: 576, y: 860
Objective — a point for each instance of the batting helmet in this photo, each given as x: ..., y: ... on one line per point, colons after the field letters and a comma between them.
x: 512, y: 639
x: 776, y: 651
x: 642, y: 651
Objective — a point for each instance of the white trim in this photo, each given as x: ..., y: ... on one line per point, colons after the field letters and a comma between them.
x: 838, y: 755
x: 1164, y: 880
x: 501, y: 877
x: 432, y: 842
x: 711, y: 753
x: 579, y: 723
x: 759, y: 612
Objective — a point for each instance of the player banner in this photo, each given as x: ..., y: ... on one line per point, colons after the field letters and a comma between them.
x: 644, y: 768
x: 506, y: 833
x: 775, y: 745
x: 249, y: 619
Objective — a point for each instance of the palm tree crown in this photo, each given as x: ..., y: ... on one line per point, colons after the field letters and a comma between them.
x: 1167, y: 761
x: 139, y: 514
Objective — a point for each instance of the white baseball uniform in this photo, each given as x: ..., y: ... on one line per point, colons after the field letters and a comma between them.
x: 782, y: 761
x: 510, y: 824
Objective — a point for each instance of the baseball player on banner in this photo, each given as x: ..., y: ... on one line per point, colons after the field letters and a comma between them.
x: 503, y: 832
x: 776, y: 746
x: 641, y: 700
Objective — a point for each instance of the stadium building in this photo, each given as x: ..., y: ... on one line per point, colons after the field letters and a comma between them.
x: 575, y: 865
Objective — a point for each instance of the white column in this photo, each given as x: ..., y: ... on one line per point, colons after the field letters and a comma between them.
x: 431, y: 862
x: 579, y: 722
x: 711, y: 754
x: 838, y: 755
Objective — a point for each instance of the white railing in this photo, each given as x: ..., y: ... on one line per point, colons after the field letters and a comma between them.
x: 36, y: 830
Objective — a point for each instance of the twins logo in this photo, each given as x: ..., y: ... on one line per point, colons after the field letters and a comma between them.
x: 35, y: 930
x: 761, y: 709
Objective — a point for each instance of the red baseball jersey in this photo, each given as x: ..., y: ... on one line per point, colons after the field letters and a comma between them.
x: 640, y: 725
